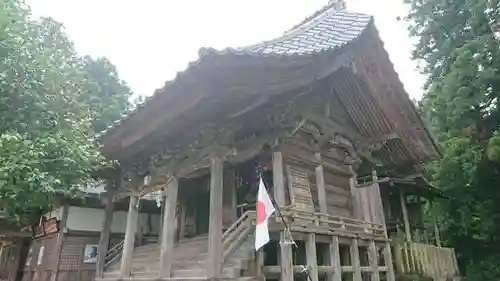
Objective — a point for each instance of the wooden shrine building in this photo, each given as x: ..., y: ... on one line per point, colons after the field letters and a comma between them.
x: 312, y: 112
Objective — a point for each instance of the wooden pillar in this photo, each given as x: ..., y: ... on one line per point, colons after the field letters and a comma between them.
x: 285, y: 255
x: 259, y: 264
x: 373, y: 254
x: 215, y: 228
x: 356, y: 267
x: 130, y: 231
x: 356, y: 207
x: 435, y: 224
x: 162, y: 212
x: 335, y: 260
x: 105, y: 235
x: 229, y: 199
x: 312, y: 260
x: 320, y: 185
x: 168, y: 228
x: 60, y: 241
x: 278, y: 178
x: 406, y: 221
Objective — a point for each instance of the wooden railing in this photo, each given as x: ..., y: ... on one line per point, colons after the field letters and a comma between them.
x: 425, y: 260
x: 237, y: 233
x: 331, y: 223
x: 114, y: 253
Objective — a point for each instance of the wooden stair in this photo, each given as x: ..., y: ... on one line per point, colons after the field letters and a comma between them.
x: 190, y: 261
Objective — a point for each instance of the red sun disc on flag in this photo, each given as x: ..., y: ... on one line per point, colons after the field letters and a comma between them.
x: 261, y: 212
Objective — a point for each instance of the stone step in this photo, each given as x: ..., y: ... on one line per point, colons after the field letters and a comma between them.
x: 240, y: 262
x: 176, y: 273
x: 250, y: 278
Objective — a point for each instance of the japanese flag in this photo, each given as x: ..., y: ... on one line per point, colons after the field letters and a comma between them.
x: 265, y: 209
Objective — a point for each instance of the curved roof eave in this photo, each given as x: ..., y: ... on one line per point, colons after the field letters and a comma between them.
x: 327, y: 31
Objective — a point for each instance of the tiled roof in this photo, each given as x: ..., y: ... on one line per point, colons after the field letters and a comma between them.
x: 327, y: 29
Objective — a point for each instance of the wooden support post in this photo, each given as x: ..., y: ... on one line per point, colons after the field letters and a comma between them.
x: 168, y: 229
x: 335, y: 260
x: 436, y: 228
x: 406, y: 220
x: 105, y: 235
x: 162, y: 212
x: 373, y: 254
x: 320, y: 185
x: 312, y: 260
x: 60, y: 241
x: 278, y: 178
x: 387, y: 247
x: 259, y: 264
x: 388, y: 262
x: 229, y: 199
x: 286, y: 260
x: 215, y: 228
x: 356, y: 206
x: 356, y: 274
x: 128, y: 243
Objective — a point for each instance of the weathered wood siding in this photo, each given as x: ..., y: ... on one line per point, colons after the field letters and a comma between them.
x: 300, y: 167
x: 338, y: 194
x: 9, y: 261
x: 71, y: 265
x: 39, y: 266
x: 299, y: 187
x: 369, y: 204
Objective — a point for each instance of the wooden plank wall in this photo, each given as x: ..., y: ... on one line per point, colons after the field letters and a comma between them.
x: 302, y: 183
x: 300, y: 188
x: 71, y: 266
x: 369, y: 204
x: 338, y: 194
x: 9, y: 263
x: 40, y: 270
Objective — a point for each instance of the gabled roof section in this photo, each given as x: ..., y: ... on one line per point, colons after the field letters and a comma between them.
x: 327, y: 29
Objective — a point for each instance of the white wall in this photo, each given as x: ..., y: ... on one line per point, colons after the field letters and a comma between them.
x: 89, y: 219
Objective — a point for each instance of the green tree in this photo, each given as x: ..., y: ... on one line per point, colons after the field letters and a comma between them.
x: 461, y: 105
x: 51, y: 103
x: 109, y: 98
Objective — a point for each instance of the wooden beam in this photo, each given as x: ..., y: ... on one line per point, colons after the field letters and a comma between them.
x: 259, y: 263
x: 105, y: 236
x: 128, y: 243
x: 286, y: 259
x: 356, y: 275
x: 435, y: 225
x: 278, y: 178
x: 215, y: 228
x: 335, y: 260
x: 285, y: 256
x: 60, y: 241
x: 406, y: 220
x: 389, y: 262
x: 312, y: 260
x: 356, y: 210
x: 373, y: 257
x: 320, y: 185
x: 168, y: 229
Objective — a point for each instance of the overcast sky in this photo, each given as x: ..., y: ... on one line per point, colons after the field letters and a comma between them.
x: 150, y: 40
